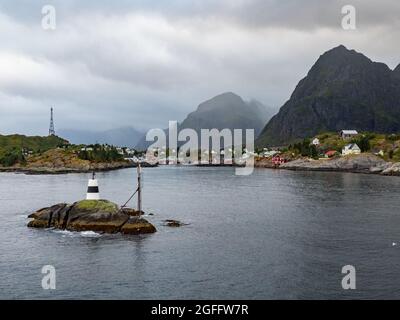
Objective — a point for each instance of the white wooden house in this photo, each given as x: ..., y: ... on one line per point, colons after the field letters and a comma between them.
x: 316, y: 142
x: 351, y: 148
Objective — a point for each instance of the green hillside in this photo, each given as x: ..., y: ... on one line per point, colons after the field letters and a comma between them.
x: 15, y: 148
x: 387, y: 146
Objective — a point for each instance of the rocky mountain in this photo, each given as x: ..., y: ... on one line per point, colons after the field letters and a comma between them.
x: 265, y: 112
x: 396, y: 71
x: 226, y: 110
x: 124, y: 137
x: 343, y: 90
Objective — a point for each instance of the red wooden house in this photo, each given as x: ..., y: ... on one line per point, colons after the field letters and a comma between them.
x: 331, y: 153
x: 278, y: 160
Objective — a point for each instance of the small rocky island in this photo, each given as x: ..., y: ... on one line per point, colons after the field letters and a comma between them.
x: 91, y: 215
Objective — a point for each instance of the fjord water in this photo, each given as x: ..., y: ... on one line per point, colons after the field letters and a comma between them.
x: 274, y: 234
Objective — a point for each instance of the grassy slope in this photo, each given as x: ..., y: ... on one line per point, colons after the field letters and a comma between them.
x: 12, y: 145
x: 57, y: 158
x: 35, y: 143
x: 389, y: 144
x: 97, y: 205
x: 45, y: 153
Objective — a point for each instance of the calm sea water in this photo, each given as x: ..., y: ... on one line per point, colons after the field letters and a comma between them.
x: 274, y: 234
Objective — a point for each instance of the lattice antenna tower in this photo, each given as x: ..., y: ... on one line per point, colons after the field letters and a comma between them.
x: 52, y: 131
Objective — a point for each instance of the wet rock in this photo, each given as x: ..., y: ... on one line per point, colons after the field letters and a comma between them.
x: 137, y: 226
x: 38, y: 223
x: 60, y: 217
x: 132, y: 212
x: 392, y: 170
x: 43, y: 218
x: 174, y: 223
x: 90, y: 215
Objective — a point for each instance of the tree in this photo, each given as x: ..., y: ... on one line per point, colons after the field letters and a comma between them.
x: 363, y: 143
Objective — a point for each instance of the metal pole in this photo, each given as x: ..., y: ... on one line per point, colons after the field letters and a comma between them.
x: 139, y: 171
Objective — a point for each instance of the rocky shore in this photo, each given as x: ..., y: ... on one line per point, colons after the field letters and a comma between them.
x: 69, y: 169
x: 91, y: 215
x: 362, y: 163
x: 58, y: 161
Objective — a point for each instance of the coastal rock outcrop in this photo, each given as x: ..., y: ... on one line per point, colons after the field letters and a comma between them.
x: 392, y: 170
x: 362, y: 163
x: 91, y: 215
x: 59, y: 161
x: 137, y: 226
x: 174, y: 223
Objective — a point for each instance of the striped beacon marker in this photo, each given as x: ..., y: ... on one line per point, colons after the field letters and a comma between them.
x: 93, y: 189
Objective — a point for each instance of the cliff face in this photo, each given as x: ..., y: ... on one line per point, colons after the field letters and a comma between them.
x: 343, y: 90
x: 396, y: 71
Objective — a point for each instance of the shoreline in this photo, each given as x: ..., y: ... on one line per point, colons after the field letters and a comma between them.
x: 364, y: 163
x: 63, y: 170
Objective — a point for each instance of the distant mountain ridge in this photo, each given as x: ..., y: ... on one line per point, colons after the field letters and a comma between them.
x: 227, y: 110
x: 343, y: 90
x: 123, y: 137
x: 224, y: 111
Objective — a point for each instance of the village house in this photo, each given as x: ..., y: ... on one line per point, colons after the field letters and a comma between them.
x: 380, y: 153
x: 269, y: 154
x: 331, y: 153
x: 351, y: 148
x: 278, y: 160
x: 315, y: 142
x: 347, y: 134
x: 26, y: 152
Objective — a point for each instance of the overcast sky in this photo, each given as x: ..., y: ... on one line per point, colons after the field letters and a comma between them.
x: 141, y: 63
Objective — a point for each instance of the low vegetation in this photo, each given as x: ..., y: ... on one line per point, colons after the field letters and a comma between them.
x: 304, y: 148
x: 97, y: 205
x: 100, y: 153
x: 52, y: 151
x: 15, y: 149
x: 385, y: 145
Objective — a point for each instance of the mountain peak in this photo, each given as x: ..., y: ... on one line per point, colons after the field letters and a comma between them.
x: 342, y: 56
x: 228, y: 94
x: 344, y: 89
x: 222, y: 100
x: 339, y: 48
x: 224, y: 111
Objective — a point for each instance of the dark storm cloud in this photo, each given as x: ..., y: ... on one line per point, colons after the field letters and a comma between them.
x: 304, y: 14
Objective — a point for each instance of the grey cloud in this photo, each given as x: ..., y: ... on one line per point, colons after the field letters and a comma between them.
x: 305, y: 14
x: 142, y: 63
